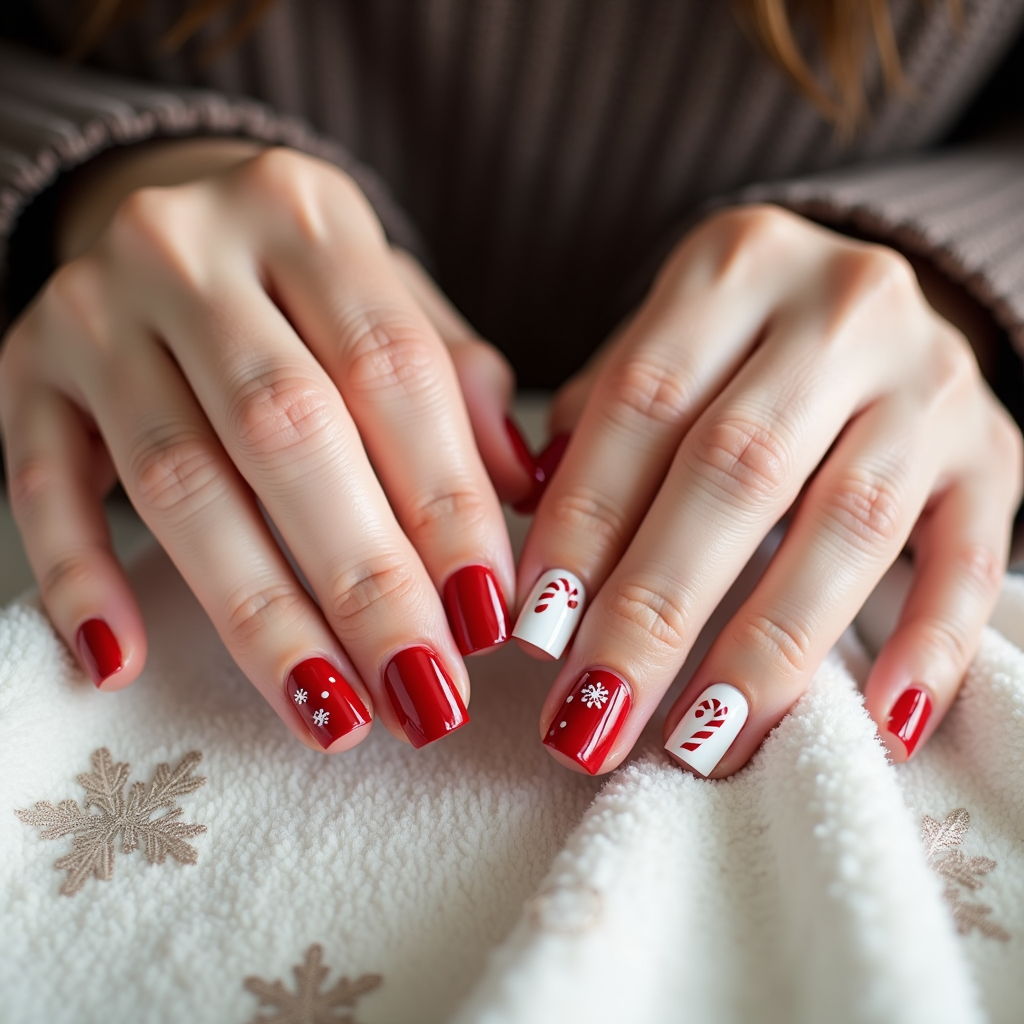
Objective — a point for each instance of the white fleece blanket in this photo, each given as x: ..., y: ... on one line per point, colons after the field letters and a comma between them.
x: 477, y: 880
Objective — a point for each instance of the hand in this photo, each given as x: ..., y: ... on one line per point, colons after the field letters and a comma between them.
x: 248, y: 338
x: 775, y: 368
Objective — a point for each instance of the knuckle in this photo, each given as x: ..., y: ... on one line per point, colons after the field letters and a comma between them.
x: 590, y: 515
x: 462, y: 510
x: 290, y: 181
x: 357, y: 594
x: 661, y: 614
x: 951, y: 367
x: 388, y: 355
x: 158, y: 227
x: 784, y: 644
x: 250, y: 612
x: 175, y: 472
x: 978, y: 567
x: 947, y: 640
x: 864, y: 511
x: 278, y: 411
x: 28, y: 484
x: 743, y: 234
x: 77, y: 294
x: 742, y: 460
x: 71, y: 573
x: 877, y: 269
x: 644, y: 392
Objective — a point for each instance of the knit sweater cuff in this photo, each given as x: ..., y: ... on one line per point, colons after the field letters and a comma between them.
x: 54, y: 118
x: 963, y: 209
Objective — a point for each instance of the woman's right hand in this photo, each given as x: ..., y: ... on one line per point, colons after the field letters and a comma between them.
x: 249, y: 338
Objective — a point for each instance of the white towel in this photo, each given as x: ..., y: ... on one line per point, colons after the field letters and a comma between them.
x: 797, y: 891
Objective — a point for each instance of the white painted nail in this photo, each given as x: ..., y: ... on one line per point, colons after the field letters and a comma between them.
x: 707, y: 730
x: 552, y: 612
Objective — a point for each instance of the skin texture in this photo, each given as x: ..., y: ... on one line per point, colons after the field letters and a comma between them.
x: 229, y: 329
x: 241, y: 336
x: 777, y: 369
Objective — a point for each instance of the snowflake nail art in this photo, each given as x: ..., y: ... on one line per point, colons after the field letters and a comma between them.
x: 590, y: 718
x: 338, y: 710
x: 594, y: 695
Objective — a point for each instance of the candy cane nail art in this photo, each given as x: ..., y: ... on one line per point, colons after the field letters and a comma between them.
x: 707, y: 730
x: 552, y: 612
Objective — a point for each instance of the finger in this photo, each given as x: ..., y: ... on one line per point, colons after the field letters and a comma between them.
x: 398, y: 383
x: 961, y: 547
x: 57, y: 478
x: 701, y: 320
x: 486, y: 380
x: 192, y: 498
x: 851, y: 525
x: 284, y: 426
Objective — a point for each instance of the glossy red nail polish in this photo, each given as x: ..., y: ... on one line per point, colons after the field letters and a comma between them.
x: 476, y: 609
x: 520, y: 447
x: 589, y: 719
x: 426, y: 701
x: 545, y: 465
x: 325, y: 701
x: 909, y: 716
x: 99, y: 650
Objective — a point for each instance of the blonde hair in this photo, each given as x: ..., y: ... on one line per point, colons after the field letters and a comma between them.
x: 846, y: 31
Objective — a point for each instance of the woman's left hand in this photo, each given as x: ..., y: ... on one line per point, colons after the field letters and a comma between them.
x: 775, y: 367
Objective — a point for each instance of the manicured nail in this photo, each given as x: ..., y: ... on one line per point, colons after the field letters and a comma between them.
x: 552, y: 612
x: 589, y: 720
x: 707, y: 730
x: 426, y: 701
x: 328, y: 705
x: 99, y: 651
x: 545, y: 465
x: 476, y: 609
x: 520, y: 447
x: 909, y: 716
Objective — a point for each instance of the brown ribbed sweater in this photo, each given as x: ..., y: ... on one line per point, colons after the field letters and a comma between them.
x: 542, y: 154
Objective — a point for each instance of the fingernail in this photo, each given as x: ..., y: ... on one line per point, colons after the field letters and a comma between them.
x: 707, y: 730
x: 99, y: 651
x: 520, y: 447
x: 590, y: 718
x: 909, y: 716
x: 552, y: 612
x: 545, y: 465
x: 426, y: 701
x: 476, y: 609
x: 328, y: 705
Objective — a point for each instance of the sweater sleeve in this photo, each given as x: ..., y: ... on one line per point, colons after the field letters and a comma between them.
x: 54, y: 118
x: 961, y: 208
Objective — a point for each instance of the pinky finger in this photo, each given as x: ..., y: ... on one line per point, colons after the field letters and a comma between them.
x: 56, y: 479
x: 960, y: 553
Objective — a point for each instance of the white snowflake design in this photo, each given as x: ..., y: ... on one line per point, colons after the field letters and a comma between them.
x: 320, y: 716
x: 300, y: 696
x: 594, y: 695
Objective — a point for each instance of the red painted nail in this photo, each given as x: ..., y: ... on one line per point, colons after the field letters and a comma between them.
x: 520, y: 447
x: 99, y: 651
x: 909, y: 716
x: 546, y: 463
x: 587, y: 723
x: 426, y: 701
x: 476, y: 609
x: 325, y: 701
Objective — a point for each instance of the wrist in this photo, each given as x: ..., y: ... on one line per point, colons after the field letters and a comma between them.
x: 95, y: 190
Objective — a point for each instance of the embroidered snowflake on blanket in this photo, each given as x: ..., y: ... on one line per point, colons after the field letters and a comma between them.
x: 108, y: 813
x: 308, y: 1005
x: 958, y: 870
x: 594, y: 695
